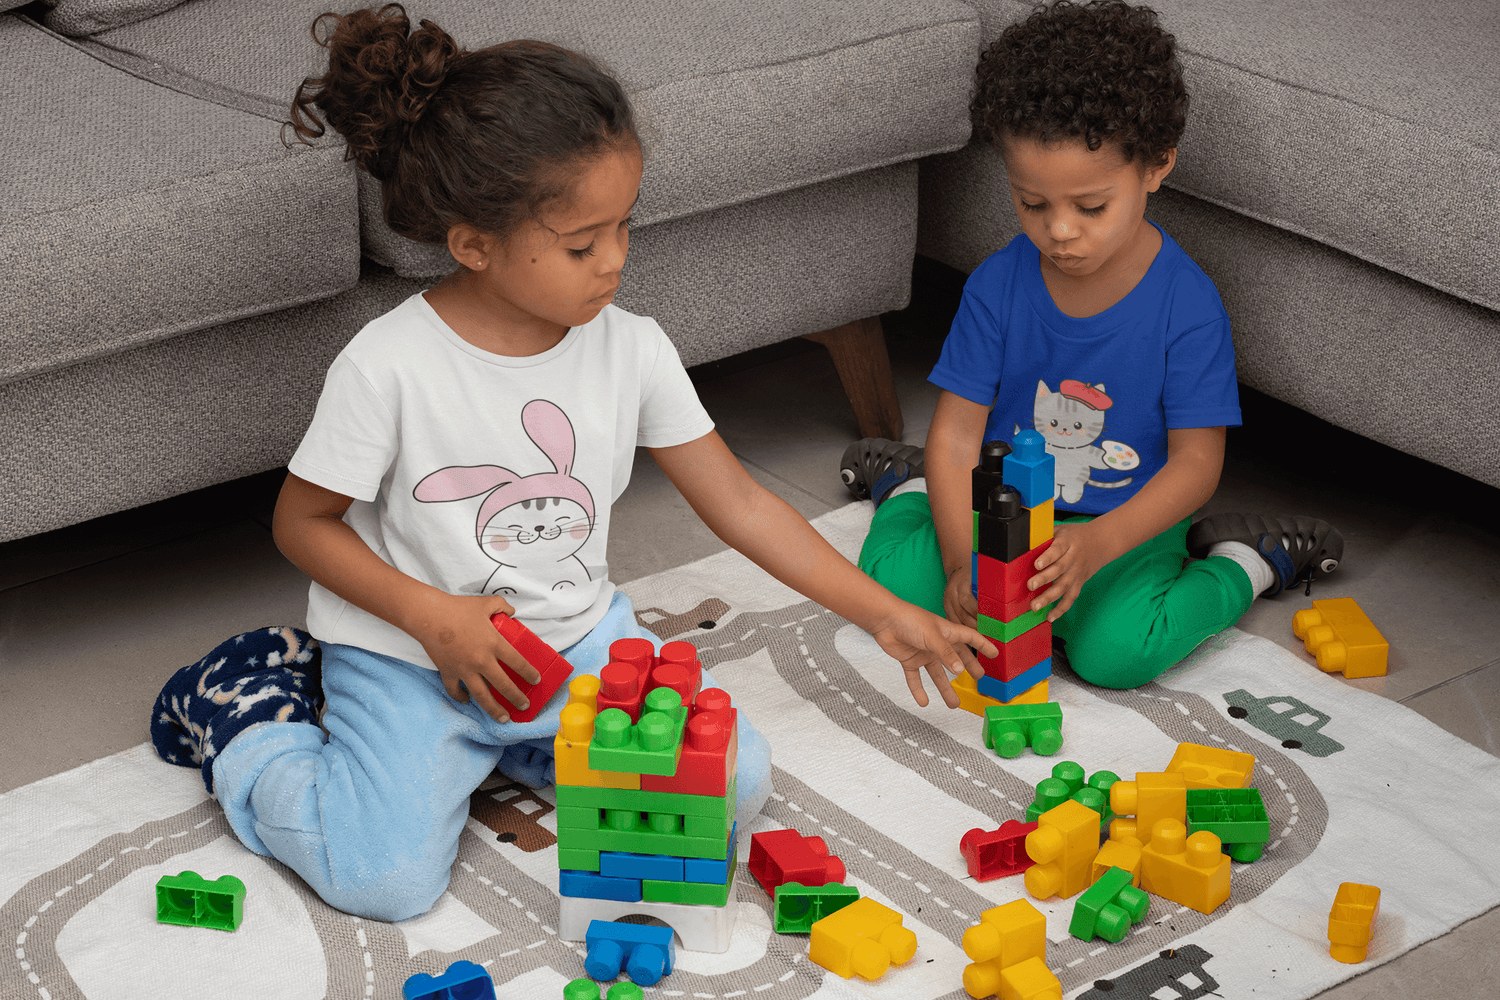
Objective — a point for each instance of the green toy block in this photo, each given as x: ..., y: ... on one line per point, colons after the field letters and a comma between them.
x: 800, y: 906
x: 1067, y: 783
x: 587, y: 989
x: 706, y: 826
x: 1009, y: 729
x: 652, y: 746
x: 642, y: 840
x: 1237, y: 816
x: 1108, y: 908
x: 1100, y: 782
x: 1001, y: 631
x: 716, y: 806
x: 692, y: 893
x: 190, y: 900
x: 575, y: 860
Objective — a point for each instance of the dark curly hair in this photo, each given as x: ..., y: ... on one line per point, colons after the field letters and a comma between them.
x: 1105, y: 71
x: 486, y: 138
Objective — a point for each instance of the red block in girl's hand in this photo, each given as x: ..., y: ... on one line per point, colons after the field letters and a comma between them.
x: 554, y: 669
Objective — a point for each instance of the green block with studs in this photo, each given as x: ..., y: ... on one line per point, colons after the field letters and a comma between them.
x: 651, y: 746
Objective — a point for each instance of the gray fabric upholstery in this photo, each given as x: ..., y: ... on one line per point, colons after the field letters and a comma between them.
x: 1372, y: 126
x: 84, y: 17
x: 133, y: 213
x: 739, y: 101
x: 212, y: 405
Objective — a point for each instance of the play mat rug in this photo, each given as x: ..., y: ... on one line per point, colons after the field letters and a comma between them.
x: 1359, y: 789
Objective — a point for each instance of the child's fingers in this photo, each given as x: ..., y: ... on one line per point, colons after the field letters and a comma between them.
x: 513, y: 697
x: 914, y: 685
x: 944, y: 688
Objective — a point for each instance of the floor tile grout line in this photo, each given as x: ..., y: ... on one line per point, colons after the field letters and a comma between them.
x: 788, y: 482
x: 1450, y: 680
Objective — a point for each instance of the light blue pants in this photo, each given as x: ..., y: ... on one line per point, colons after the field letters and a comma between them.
x: 370, y: 815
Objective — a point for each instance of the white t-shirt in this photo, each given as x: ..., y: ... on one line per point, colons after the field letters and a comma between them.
x: 481, y: 474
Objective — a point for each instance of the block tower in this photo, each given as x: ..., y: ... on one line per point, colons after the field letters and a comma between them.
x: 646, y: 796
x: 1012, y: 499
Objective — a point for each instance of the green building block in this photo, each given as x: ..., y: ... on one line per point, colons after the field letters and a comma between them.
x: 1000, y: 631
x: 188, y: 899
x: 641, y: 840
x: 574, y: 859
x: 692, y: 893
x: 1237, y: 816
x: 1009, y: 729
x: 800, y: 906
x: 652, y: 746
x: 1108, y: 908
x: 587, y: 989
x: 1067, y: 783
x: 717, y: 806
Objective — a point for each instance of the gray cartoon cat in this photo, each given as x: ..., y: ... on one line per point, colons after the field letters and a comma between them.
x: 1070, y: 421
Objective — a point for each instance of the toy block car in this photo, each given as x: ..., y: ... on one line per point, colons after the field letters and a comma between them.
x: 864, y: 938
x: 781, y: 856
x: 709, y: 752
x: 1212, y: 767
x: 1063, y: 846
x: 554, y: 670
x: 1108, y: 908
x: 992, y: 854
x: 1010, y: 729
x: 1190, y: 871
x: 462, y: 981
x: 644, y: 951
x: 190, y: 900
x: 1351, y: 922
x: 1237, y: 816
x: 797, y: 906
x: 1007, y: 937
x: 1341, y: 636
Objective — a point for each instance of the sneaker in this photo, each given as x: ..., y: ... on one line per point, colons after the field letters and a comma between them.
x: 872, y: 467
x: 1315, y: 545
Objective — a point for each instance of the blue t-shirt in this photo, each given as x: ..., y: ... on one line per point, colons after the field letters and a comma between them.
x: 1103, y: 390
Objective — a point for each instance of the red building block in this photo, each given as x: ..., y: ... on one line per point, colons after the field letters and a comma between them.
x: 1006, y: 581
x: 710, y: 748
x: 1020, y: 654
x: 781, y: 856
x: 685, y: 655
x: 554, y: 669
x: 993, y: 854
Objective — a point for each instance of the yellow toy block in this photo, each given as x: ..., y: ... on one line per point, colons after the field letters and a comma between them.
x: 1152, y: 796
x: 864, y: 937
x: 1342, y: 637
x: 1351, y: 922
x: 1005, y: 936
x: 1191, y: 871
x: 1041, y: 523
x: 584, y: 690
x: 970, y: 700
x: 1030, y: 980
x: 570, y: 748
x: 1063, y: 847
x: 1212, y: 767
x: 1124, y: 853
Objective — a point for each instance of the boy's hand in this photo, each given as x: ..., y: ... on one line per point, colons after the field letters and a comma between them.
x: 457, y: 634
x: 959, y: 602
x: 1077, y: 552
x: 919, y: 640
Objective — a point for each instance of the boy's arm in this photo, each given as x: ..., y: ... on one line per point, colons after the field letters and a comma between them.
x: 953, y: 444
x: 309, y: 530
x: 1195, y: 457
x: 763, y: 527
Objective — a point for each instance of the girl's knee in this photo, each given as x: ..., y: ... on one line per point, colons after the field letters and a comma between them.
x: 394, y: 890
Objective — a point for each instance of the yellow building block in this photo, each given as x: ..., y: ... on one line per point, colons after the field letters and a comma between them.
x: 1030, y: 980
x: 1063, y: 847
x: 1041, y: 523
x: 1212, y: 767
x: 1351, y: 922
x: 970, y: 700
x: 584, y: 690
x: 570, y: 748
x: 864, y: 938
x: 1005, y: 936
x: 1191, y: 871
x: 1342, y: 637
x: 1124, y: 853
x: 1152, y: 796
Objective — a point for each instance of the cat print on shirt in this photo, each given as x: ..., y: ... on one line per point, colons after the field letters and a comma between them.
x: 532, y: 526
x: 1070, y: 421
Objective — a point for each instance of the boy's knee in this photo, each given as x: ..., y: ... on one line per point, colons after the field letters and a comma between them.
x: 1112, y: 664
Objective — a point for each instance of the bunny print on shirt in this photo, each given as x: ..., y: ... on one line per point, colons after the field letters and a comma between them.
x: 531, y: 526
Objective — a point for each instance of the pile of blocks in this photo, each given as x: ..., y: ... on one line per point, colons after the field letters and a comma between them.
x: 645, y: 806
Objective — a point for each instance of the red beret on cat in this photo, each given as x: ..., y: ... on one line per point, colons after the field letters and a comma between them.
x: 1086, y: 394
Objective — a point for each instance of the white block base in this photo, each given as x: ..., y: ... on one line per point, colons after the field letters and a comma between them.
x: 698, y: 928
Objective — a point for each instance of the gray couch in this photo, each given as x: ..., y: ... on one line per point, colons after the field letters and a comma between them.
x: 174, y: 282
x: 1340, y: 182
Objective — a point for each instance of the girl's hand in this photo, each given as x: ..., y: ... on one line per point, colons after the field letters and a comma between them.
x: 959, y: 602
x: 919, y: 640
x: 457, y: 634
x: 1077, y: 552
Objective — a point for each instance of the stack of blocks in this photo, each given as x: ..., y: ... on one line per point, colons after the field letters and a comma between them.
x: 646, y: 795
x: 1012, y: 500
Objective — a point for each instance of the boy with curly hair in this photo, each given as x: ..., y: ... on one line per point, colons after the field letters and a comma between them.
x: 1094, y: 328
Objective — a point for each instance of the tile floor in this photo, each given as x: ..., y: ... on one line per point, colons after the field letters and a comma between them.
x: 93, y: 617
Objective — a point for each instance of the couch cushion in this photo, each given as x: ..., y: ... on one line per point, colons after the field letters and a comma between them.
x: 1371, y: 126
x: 134, y: 213
x: 84, y: 17
x: 739, y: 101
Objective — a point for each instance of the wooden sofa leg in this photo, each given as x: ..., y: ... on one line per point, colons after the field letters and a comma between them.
x: 864, y: 368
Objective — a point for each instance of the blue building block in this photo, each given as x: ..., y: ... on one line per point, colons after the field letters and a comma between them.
x: 619, y: 864
x: 1030, y: 469
x: 993, y: 687
x: 462, y: 981
x: 591, y: 885
x: 712, y: 872
x: 646, y: 952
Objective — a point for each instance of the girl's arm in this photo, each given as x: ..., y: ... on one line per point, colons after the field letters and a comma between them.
x: 953, y: 444
x: 1195, y: 457
x: 759, y: 524
x: 455, y: 631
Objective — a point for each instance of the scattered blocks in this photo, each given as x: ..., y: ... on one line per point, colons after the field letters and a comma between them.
x: 554, y: 669
x: 781, y: 856
x: 798, y: 907
x: 1152, y: 796
x: 1351, y: 922
x: 644, y: 951
x: 1125, y: 854
x: 1063, y: 846
x: 1010, y: 729
x: 1108, y: 908
x: 1006, y: 949
x: 864, y: 938
x: 587, y: 989
x: 1237, y: 816
x: 700, y: 928
x: 1342, y: 637
x: 1030, y: 469
x: 462, y: 981
x: 1190, y: 871
x: 190, y: 900
x: 997, y: 853
x: 1212, y: 767
x: 1029, y: 980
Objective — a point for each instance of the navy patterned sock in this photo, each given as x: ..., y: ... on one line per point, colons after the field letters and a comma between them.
x: 269, y: 675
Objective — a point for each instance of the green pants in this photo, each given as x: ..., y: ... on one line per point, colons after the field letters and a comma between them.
x: 1137, y: 616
